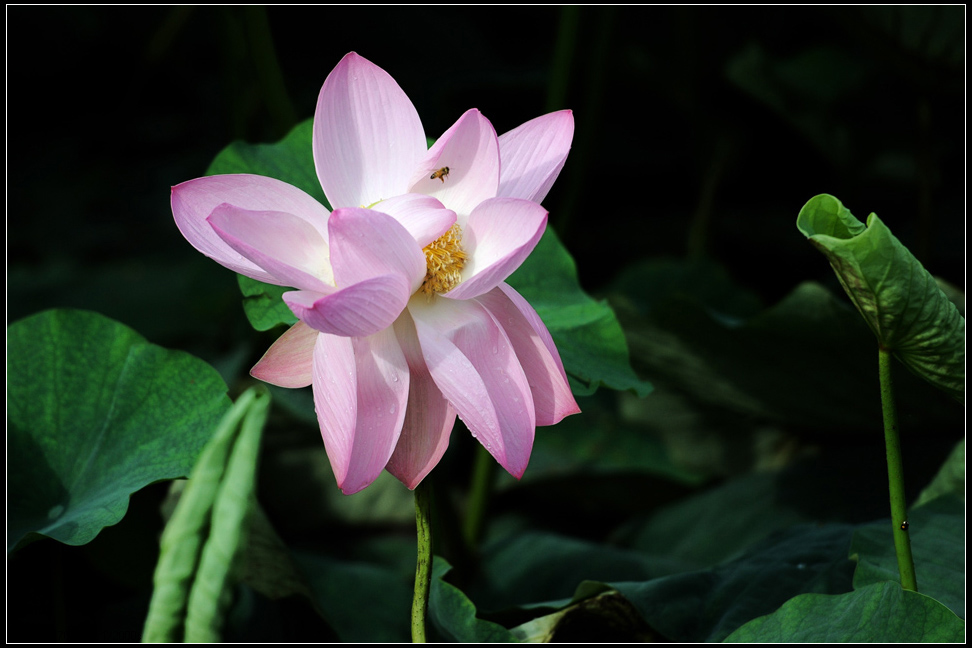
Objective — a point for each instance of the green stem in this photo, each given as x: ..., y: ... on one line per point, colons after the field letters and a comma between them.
x: 423, y: 563
x: 899, y: 508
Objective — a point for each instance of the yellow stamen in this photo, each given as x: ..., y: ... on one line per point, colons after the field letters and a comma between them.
x: 444, y: 259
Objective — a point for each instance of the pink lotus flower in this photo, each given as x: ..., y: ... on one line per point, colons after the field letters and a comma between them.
x: 405, y: 321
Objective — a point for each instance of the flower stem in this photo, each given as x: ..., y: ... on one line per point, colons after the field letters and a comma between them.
x: 899, y: 508
x: 423, y: 563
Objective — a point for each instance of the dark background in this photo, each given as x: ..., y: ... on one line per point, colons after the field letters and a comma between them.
x: 108, y: 108
x: 700, y: 132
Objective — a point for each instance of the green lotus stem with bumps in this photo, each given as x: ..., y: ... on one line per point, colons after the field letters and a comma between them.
x: 423, y: 563
x: 899, y: 505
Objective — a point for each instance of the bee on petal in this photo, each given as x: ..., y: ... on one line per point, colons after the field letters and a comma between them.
x: 441, y: 174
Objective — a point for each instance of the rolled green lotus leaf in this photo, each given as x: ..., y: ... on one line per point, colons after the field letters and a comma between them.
x: 897, y: 297
x: 205, y: 533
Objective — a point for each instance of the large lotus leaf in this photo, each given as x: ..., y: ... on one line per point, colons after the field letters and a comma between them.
x: 291, y: 160
x: 94, y: 413
x: 362, y: 602
x: 898, y: 298
x: 697, y: 532
x: 533, y: 566
x: 594, y: 442
x: 705, y: 605
x: 937, y: 533
x: 718, y: 364
x: 453, y: 615
x: 800, y: 568
x: 878, y: 613
x: 710, y: 604
x: 263, y: 304
x: 588, y: 335
x: 684, y: 532
x: 725, y: 355
x: 590, y: 340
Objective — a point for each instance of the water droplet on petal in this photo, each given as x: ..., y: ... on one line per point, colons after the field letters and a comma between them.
x: 55, y: 512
